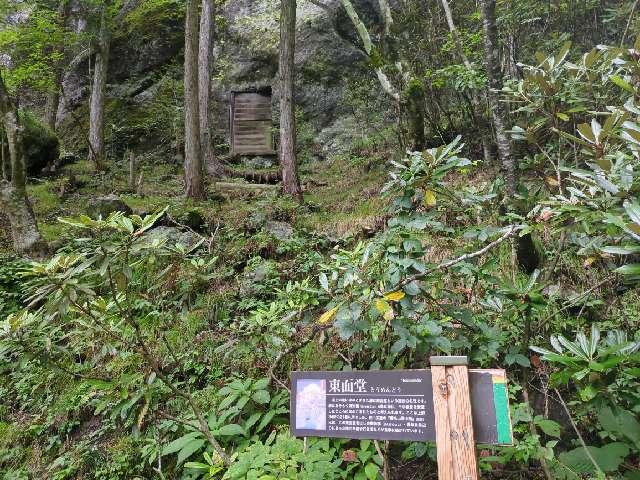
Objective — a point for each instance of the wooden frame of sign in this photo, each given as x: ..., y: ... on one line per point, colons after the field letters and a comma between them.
x: 449, y: 404
x: 455, y: 440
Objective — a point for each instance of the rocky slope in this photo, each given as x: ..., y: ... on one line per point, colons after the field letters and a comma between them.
x: 144, y: 85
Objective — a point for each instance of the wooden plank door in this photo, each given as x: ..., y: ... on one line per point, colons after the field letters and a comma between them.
x: 251, y: 124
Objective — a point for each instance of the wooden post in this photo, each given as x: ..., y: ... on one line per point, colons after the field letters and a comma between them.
x: 132, y: 172
x: 455, y: 442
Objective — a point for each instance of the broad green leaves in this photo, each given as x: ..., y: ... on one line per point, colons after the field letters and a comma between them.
x: 283, y: 457
x: 607, y: 458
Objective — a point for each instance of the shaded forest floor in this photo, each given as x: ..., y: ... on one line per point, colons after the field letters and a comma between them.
x: 342, y: 198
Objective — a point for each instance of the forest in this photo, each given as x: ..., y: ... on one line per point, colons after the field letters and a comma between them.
x: 200, y: 197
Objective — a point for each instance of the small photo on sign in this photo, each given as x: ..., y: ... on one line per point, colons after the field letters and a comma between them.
x: 311, y: 412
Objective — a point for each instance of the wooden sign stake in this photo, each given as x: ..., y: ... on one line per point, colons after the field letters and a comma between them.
x: 455, y: 442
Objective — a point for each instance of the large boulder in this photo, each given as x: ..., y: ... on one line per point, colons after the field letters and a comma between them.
x: 328, y: 57
x: 329, y: 62
x: 104, y: 206
x: 280, y: 230
x: 172, y: 236
x: 41, y: 145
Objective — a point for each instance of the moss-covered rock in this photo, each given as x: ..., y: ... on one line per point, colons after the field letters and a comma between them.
x: 41, y: 144
x: 104, y: 206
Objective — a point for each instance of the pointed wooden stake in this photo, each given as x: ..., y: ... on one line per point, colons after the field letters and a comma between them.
x: 455, y: 440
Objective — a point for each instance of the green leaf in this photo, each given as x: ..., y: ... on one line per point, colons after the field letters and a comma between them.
x: 261, y: 384
x: 511, y: 358
x: 231, y: 429
x: 261, y: 396
x: 631, y: 269
x: 371, y: 470
x: 549, y: 427
x: 620, y: 422
x: 588, y: 393
x: 189, y: 449
x: 584, y: 129
x: 228, y: 401
x: 252, y: 420
x: 622, y: 83
x: 624, y: 250
x: 265, y: 420
x: 179, y: 443
x: 128, y: 224
x: 360, y: 475
x: 197, y: 466
x: 608, y: 458
x: 633, y: 210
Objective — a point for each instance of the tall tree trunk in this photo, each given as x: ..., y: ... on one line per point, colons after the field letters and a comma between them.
x: 367, y: 43
x: 415, y: 110
x: 498, y: 111
x: 288, y: 162
x: 53, y: 97
x: 205, y: 68
x: 477, y: 100
x: 193, y: 165
x: 96, y: 112
x: 5, y: 170
x: 385, y: 11
x: 53, y: 101
x: 13, y: 195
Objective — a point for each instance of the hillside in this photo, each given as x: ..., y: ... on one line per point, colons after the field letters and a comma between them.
x: 363, y: 185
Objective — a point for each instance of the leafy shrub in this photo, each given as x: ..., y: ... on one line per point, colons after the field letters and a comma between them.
x: 282, y: 456
x: 11, y: 287
x: 605, y: 370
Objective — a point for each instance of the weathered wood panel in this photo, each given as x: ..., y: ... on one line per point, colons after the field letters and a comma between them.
x: 251, y: 124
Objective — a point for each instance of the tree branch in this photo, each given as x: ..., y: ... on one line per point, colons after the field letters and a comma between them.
x: 321, y: 5
x: 368, y: 48
x: 511, y: 231
x: 153, y: 363
x: 294, y: 348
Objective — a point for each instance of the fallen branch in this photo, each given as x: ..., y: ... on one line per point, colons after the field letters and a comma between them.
x: 511, y: 231
x: 245, y: 186
x: 271, y: 177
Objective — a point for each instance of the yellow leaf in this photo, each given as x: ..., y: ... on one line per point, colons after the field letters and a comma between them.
x: 429, y: 198
x: 328, y: 315
x: 382, y: 306
x: 394, y: 296
x: 143, y: 413
x: 552, y: 181
x: 388, y: 315
x: 589, y: 261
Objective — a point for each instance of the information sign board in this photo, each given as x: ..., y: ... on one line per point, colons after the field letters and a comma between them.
x: 391, y: 405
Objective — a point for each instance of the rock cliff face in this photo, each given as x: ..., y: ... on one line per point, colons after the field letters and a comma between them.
x: 328, y: 56
x: 327, y: 52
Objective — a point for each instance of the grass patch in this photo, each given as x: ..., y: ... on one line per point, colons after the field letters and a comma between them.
x: 44, y: 199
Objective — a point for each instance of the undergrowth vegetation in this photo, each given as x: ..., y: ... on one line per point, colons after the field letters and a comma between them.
x: 148, y: 347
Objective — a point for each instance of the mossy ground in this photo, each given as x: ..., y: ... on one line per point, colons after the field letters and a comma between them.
x: 341, y: 197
